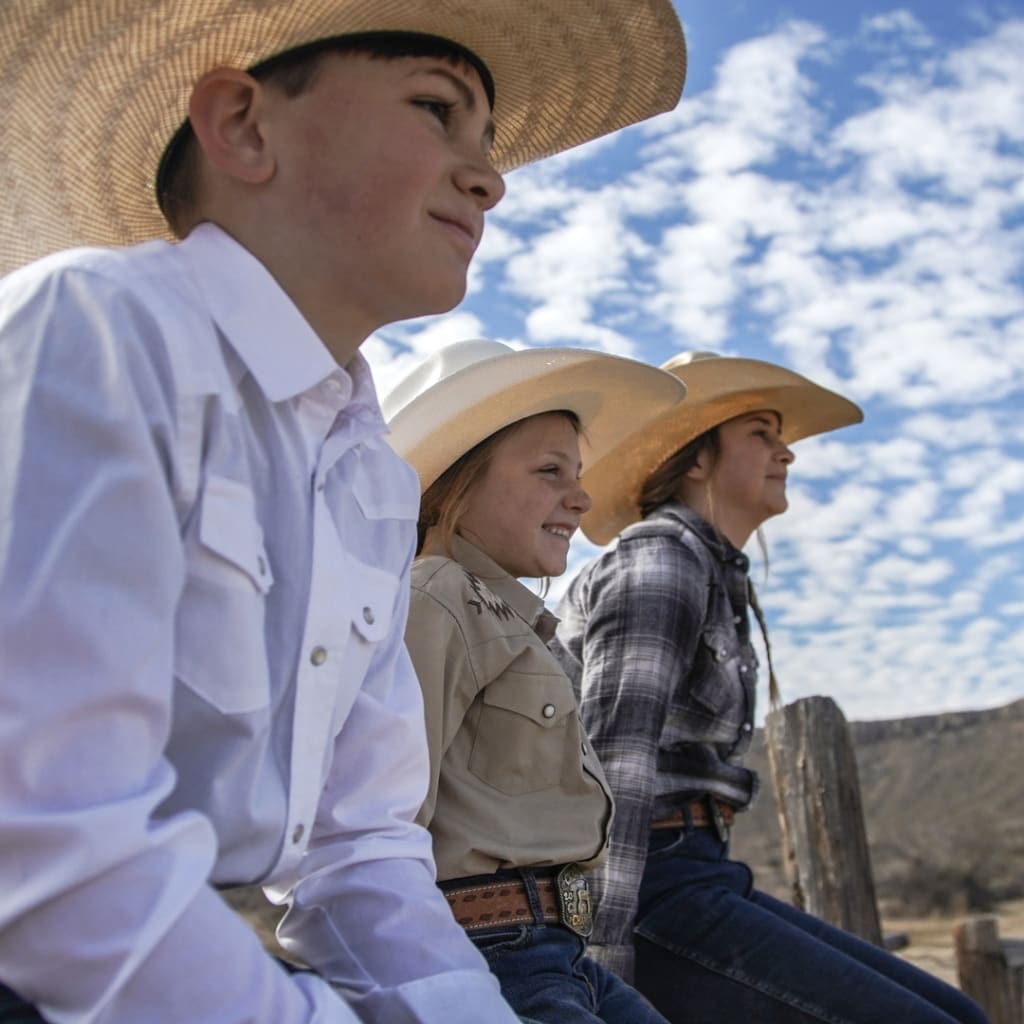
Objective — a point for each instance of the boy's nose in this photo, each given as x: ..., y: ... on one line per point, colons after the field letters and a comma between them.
x: 482, y: 182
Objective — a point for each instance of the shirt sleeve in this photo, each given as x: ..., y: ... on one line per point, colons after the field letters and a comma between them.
x: 365, y: 910
x: 642, y: 620
x: 441, y: 658
x: 105, y: 913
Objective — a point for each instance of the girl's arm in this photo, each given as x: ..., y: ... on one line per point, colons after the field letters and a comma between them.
x: 645, y: 607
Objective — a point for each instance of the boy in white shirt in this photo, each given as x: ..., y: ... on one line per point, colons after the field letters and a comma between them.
x: 204, y: 539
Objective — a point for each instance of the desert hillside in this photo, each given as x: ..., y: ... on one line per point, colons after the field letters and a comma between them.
x: 944, y: 806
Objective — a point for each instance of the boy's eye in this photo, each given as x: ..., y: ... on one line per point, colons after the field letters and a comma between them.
x: 441, y: 109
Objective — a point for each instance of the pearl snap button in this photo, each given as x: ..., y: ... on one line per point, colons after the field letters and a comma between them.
x: 318, y: 655
x: 549, y: 711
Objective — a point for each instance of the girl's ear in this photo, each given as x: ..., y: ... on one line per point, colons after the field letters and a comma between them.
x: 700, y: 471
x: 227, y: 110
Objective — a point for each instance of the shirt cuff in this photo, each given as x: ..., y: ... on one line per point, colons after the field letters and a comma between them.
x: 455, y: 997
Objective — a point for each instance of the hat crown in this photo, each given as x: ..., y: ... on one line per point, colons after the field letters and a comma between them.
x: 686, y: 358
x: 438, y: 366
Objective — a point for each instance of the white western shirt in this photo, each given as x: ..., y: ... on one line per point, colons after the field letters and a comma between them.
x: 204, y: 577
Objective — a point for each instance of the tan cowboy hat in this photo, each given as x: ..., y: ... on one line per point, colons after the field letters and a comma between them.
x: 720, y: 388
x: 93, y: 90
x: 465, y: 392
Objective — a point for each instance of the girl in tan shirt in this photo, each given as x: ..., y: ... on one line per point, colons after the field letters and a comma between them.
x: 517, y: 804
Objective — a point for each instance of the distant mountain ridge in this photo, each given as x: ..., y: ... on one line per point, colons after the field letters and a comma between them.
x: 943, y: 800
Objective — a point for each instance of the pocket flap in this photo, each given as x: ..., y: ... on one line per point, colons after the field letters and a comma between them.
x: 373, y: 602
x: 540, y: 698
x: 228, y: 526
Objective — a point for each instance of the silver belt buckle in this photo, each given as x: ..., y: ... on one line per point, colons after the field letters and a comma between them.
x: 574, y: 900
x: 719, y: 819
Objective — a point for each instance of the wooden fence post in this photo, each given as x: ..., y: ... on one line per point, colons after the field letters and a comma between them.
x: 817, y: 787
x: 991, y: 970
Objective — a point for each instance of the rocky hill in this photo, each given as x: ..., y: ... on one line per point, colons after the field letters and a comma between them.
x: 943, y: 800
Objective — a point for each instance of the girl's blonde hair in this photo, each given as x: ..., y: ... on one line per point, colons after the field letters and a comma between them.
x: 444, y: 501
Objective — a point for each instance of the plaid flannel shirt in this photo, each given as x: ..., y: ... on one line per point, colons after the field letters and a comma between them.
x: 655, y: 637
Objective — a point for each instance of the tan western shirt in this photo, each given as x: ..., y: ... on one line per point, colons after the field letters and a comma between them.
x: 513, y: 778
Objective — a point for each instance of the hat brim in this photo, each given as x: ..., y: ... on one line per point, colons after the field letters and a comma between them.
x: 612, y: 396
x: 719, y: 390
x: 94, y: 91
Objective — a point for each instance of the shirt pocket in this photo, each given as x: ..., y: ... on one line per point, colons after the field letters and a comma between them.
x: 220, y: 649
x: 371, y: 600
x: 712, y: 688
x: 521, y: 734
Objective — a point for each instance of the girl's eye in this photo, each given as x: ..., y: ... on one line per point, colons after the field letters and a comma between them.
x: 441, y: 109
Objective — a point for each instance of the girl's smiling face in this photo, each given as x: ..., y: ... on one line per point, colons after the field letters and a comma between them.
x: 527, y: 504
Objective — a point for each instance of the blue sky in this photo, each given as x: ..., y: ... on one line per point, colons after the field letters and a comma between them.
x: 841, y: 190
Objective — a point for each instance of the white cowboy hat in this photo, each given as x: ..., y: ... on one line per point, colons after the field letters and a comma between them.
x: 465, y: 392
x: 720, y: 388
x: 94, y: 90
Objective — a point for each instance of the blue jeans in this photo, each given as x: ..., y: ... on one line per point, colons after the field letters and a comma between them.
x: 14, y: 1010
x: 546, y: 978
x: 712, y: 948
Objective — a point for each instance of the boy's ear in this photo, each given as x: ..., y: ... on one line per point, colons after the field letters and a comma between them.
x: 226, y: 111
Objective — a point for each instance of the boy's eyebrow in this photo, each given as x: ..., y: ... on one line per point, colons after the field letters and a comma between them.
x: 465, y: 93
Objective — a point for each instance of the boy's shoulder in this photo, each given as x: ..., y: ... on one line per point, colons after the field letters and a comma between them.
x: 107, y: 286
x: 126, y: 265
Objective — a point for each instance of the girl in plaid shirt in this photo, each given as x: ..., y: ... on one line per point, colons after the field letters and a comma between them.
x: 656, y: 638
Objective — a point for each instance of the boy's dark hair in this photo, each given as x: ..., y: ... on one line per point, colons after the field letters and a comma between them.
x: 294, y: 73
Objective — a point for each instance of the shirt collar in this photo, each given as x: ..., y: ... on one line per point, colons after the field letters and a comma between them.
x: 527, y: 605
x: 264, y: 327
x: 721, y: 547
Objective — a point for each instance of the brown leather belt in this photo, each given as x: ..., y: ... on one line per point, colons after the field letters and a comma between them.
x: 563, y: 894
x: 707, y: 813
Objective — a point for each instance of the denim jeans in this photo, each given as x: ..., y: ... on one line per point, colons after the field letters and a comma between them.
x: 711, y: 948
x: 14, y: 1010
x: 546, y: 978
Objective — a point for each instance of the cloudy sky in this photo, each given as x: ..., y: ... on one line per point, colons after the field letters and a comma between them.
x: 841, y: 190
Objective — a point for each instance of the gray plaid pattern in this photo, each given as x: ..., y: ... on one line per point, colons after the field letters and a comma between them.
x: 656, y: 639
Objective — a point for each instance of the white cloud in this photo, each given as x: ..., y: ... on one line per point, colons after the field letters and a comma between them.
x: 851, y: 206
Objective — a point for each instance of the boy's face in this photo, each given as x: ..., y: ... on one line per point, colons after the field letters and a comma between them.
x: 384, y: 177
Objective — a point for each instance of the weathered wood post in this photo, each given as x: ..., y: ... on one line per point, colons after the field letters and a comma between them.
x: 991, y: 970
x: 817, y: 787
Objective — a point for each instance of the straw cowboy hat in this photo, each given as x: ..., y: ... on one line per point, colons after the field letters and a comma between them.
x: 465, y: 392
x: 95, y: 89
x: 720, y: 388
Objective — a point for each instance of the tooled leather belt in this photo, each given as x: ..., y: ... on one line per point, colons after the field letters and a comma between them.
x: 706, y: 813
x: 563, y: 894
